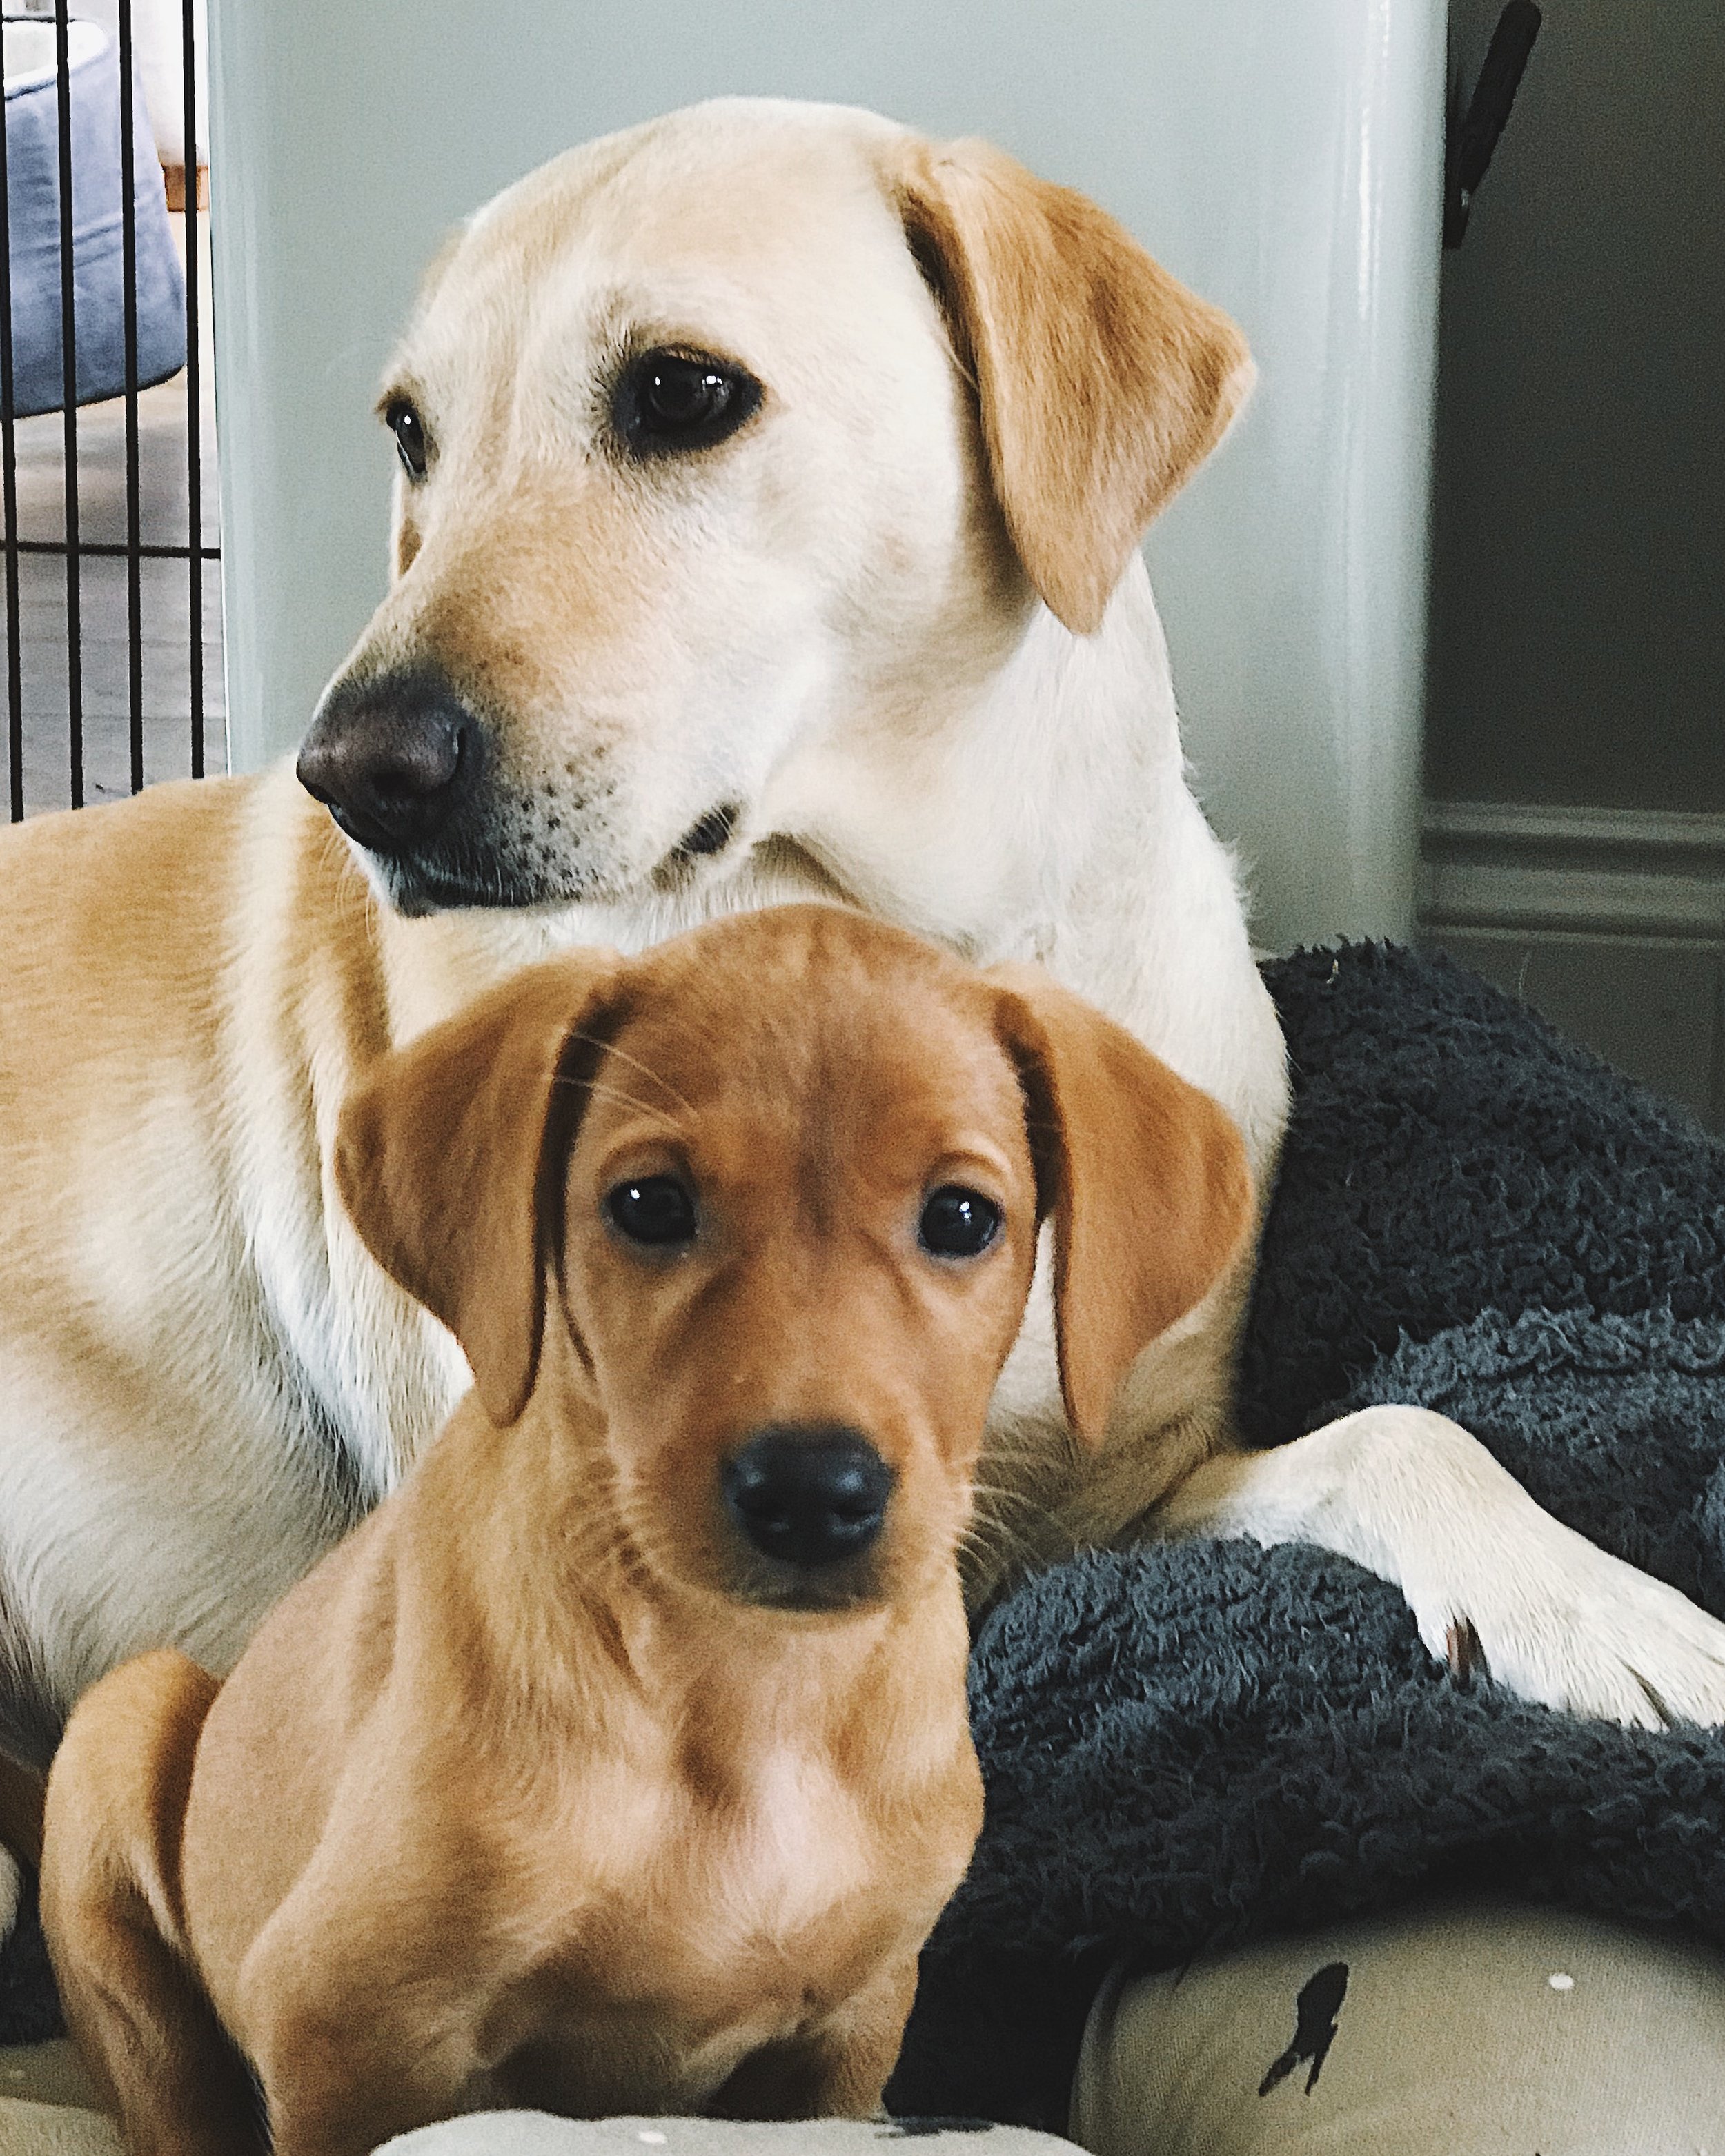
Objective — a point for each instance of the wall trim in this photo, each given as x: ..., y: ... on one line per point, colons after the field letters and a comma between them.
x: 1508, y: 865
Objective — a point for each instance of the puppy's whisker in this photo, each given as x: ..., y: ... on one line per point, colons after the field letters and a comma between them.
x: 597, y: 1091
x: 989, y: 1530
x: 1008, y: 1445
x: 600, y: 1545
x: 992, y: 1531
x: 622, y: 1056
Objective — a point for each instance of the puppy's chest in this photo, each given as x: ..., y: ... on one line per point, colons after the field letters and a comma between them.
x: 780, y: 1865
x: 713, y: 1923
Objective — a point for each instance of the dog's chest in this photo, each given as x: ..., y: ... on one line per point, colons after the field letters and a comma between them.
x: 719, y: 1926
x: 776, y: 1871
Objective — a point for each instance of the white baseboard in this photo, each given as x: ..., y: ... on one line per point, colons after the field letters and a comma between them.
x: 1504, y: 865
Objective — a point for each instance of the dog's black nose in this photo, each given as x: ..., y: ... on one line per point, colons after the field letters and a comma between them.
x: 392, y: 757
x: 808, y: 1495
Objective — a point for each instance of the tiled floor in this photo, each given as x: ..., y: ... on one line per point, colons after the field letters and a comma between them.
x: 164, y: 596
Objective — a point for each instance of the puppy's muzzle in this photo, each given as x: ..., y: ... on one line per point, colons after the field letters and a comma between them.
x: 393, y: 758
x: 811, y: 1500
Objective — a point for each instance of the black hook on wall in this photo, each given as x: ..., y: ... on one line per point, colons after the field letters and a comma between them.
x: 1474, y: 138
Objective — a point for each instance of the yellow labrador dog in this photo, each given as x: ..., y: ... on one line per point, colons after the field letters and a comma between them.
x: 773, y: 480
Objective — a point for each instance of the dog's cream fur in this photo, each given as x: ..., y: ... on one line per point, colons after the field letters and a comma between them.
x: 900, y: 623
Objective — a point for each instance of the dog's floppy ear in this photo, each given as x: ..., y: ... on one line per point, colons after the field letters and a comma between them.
x: 1104, y: 383
x: 442, y: 1161
x: 1145, y: 1177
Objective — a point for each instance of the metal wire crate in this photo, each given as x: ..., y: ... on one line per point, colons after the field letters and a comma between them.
x: 111, y: 557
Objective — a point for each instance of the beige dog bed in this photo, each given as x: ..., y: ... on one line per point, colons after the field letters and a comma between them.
x: 48, y: 2107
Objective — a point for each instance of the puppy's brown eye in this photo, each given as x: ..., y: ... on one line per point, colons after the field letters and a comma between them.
x: 956, y: 1222
x: 670, y: 400
x: 409, y: 428
x: 654, y: 1209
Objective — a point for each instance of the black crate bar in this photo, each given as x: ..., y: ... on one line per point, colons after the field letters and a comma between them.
x: 129, y: 274
x: 194, y: 416
x: 73, y: 547
x: 8, y: 490
x: 68, y: 410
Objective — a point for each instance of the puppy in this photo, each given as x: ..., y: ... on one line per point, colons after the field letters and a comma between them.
x: 619, y: 1762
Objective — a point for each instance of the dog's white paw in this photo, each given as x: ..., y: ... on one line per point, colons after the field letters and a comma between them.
x: 1566, y: 1624
x: 1491, y: 1575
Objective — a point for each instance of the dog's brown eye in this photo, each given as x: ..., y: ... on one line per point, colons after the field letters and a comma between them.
x: 404, y: 422
x: 669, y: 401
x: 653, y: 1209
x: 956, y: 1222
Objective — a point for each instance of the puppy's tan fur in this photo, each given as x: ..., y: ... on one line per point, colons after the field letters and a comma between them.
x: 533, y: 1792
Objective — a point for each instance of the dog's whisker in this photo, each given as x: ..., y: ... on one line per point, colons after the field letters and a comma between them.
x: 992, y: 1532
x: 597, y: 1091
x: 615, y: 1049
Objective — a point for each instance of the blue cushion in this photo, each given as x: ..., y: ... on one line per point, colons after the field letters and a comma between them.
x: 33, y: 191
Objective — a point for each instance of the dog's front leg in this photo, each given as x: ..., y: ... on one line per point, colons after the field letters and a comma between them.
x: 838, y: 2068
x: 1413, y: 1497
x: 110, y: 1909
x: 360, y: 2029
x: 311, y: 2116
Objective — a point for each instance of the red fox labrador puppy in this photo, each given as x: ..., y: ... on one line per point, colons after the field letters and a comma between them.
x: 619, y: 1762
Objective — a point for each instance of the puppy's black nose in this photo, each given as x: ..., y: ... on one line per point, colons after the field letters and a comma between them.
x: 808, y: 1494
x: 392, y: 757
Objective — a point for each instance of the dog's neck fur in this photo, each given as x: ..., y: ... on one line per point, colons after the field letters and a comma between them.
x: 1047, y: 816
x: 975, y: 824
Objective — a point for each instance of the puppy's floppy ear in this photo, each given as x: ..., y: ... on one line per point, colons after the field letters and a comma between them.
x: 1145, y: 1177
x: 1104, y: 382
x: 442, y: 1159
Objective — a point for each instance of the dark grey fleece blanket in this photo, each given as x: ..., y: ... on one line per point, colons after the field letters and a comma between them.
x: 1192, y: 1745
x: 1195, y: 1744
